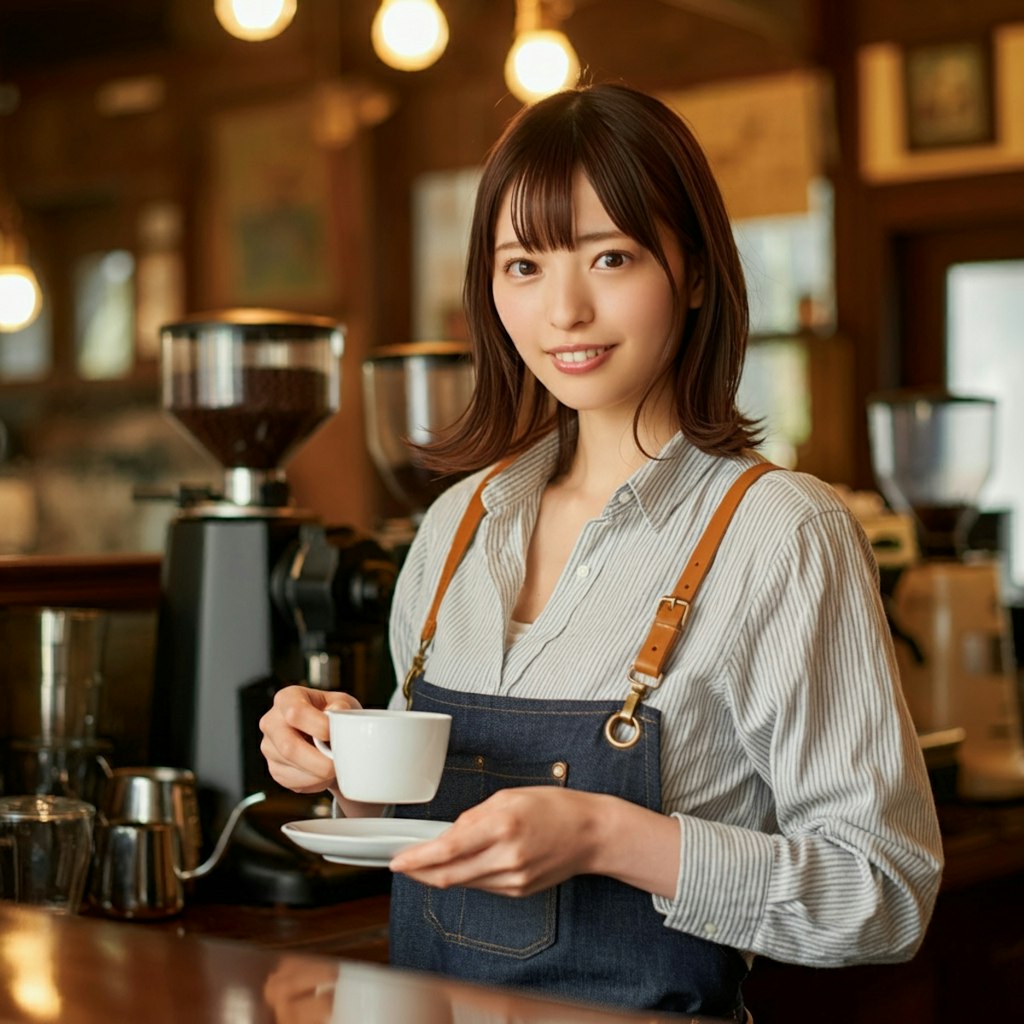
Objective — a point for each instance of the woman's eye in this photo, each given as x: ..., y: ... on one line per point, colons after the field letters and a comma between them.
x: 520, y: 268
x: 611, y: 260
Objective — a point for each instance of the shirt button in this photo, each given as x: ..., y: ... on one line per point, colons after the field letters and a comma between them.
x: 710, y: 929
x: 625, y: 497
x: 582, y: 571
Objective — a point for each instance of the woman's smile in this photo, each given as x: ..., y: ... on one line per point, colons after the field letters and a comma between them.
x: 581, y: 360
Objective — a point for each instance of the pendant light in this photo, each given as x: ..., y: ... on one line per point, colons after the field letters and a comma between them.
x: 21, y: 298
x: 409, y: 35
x: 254, y: 20
x: 542, y: 60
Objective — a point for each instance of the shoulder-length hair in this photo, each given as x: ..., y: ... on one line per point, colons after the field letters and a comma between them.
x: 647, y: 169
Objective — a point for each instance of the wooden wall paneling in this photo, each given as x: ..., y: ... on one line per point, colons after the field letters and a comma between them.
x: 872, y: 220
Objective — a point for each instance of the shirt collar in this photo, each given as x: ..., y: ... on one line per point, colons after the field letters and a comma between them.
x: 662, y: 483
x: 658, y: 486
x: 527, y: 475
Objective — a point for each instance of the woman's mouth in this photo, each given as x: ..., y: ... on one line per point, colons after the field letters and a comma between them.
x: 578, y: 360
x: 580, y: 355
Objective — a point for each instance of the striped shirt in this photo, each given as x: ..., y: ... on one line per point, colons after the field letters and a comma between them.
x: 808, y: 830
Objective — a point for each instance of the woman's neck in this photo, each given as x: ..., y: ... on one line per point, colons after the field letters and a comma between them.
x: 607, y: 453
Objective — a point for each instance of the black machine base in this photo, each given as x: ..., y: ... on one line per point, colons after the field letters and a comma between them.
x: 263, y: 867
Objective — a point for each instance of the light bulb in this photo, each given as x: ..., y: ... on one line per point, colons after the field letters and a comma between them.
x: 254, y: 20
x: 541, y: 62
x: 409, y: 34
x: 20, y: 296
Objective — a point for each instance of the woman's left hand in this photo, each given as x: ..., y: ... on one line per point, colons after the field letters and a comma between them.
x: 517, y: 842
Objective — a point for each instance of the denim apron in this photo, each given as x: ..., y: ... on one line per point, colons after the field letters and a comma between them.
x: 591, y: 938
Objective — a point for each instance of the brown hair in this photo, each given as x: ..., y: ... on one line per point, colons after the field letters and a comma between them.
x: 647, y: 168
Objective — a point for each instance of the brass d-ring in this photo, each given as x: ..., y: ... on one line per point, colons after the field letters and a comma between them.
x: 624, y: 719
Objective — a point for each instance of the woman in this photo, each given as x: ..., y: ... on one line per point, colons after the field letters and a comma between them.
x: 632, y: 828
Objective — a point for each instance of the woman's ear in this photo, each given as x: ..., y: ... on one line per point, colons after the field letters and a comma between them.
x: 697, y: 288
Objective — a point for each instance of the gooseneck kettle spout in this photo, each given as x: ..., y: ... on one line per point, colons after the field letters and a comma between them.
x: 222, y: 840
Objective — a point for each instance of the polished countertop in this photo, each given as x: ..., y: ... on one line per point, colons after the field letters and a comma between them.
x: 81, y: 970
x: 231, y: 964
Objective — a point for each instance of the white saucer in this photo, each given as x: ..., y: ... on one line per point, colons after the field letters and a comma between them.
x: 360, y: 862
x: 366, y: 842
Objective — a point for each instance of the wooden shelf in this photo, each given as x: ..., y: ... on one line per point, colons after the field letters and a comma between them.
x: 101, y: 581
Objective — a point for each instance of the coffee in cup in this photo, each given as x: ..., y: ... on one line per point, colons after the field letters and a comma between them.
x: 387, y: 757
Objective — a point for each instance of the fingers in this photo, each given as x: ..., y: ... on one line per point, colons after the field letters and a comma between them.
x: 517, y: 842
x: 486, y: 851
x: 296, y: 715
x: 301, y: 709
x: 481, y: 866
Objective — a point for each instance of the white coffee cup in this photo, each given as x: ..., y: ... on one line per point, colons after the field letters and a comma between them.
x: 387, y: 757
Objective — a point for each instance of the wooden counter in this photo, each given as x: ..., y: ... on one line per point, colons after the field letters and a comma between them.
x: 972, y: 957
x: 236, y: 964
x: 79, y: 970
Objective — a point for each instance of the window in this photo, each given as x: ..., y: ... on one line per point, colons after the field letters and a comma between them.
x: 104, y: 284
x: 985, y: 356
x: 788, y: 263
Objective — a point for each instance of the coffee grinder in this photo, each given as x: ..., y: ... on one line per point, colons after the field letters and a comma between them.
x: 932, y: 454
x: 255, y: 592
x: 412, y: 392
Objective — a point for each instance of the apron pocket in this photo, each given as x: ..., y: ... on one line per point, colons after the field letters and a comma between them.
x: 514, y: 926
x: 506, y: 925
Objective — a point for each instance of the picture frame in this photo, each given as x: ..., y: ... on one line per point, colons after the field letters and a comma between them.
x: 949, y: 95
x: 268, y: 223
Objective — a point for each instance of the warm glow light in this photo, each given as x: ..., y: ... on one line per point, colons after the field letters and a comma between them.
x: 28, y: 954
x: 409, y: 34
x: 254, y: 20
x: 20, y: 296
x: 540, y: 62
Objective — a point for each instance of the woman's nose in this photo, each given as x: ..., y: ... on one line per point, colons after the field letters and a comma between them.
x: 569, y: 301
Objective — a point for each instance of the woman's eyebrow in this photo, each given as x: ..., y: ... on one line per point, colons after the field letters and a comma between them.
x: 600, y: 236
x: 590, y: 236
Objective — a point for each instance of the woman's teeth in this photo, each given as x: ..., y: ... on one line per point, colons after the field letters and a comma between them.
x: 581, y: 355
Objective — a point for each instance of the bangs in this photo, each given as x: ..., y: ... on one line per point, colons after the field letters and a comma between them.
x: 541, y: 193
x: 541, y: 203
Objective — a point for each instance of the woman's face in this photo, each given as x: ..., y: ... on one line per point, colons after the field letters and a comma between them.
x: 596, y: 323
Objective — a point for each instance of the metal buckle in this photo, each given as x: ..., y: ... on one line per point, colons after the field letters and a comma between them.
x: 677, y: 602
x: 414, y: 670
x: 626, y: 716
x: 647, y: 683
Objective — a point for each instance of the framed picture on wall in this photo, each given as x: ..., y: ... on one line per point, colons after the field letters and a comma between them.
x: 268, y: 224
x: 949, y: 94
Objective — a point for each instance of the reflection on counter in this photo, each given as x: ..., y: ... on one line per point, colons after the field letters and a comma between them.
x: 80, y: 971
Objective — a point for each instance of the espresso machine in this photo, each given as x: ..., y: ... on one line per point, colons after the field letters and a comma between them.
x: 256, y: 593
x: 932, y: 453
x: 412, y: 392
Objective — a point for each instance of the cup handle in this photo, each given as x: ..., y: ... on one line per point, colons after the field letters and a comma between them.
x: 324, y: 748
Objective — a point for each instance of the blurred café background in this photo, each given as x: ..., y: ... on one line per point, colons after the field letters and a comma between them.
x: 157, y: 161
x: 153, y: 165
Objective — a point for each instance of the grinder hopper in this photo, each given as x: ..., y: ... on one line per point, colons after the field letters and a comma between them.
x: 250, y: 385
x: 412, y: 392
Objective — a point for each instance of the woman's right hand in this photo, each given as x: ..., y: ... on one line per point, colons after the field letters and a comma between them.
x: 297, y: 715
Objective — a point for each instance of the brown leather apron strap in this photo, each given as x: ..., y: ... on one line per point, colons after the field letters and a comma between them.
x: 669, y: 620
x: 673, y: 610
x: 463, y: 536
